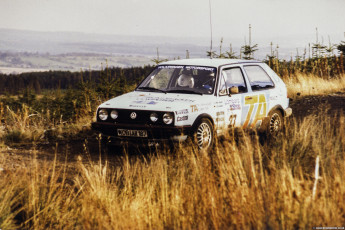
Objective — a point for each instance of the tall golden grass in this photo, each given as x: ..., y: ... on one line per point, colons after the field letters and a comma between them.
x: 25, y: 126
x: 314, y: 85
x: 241, y: 184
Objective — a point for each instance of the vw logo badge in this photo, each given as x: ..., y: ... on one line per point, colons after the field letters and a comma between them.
x: 133, y: 115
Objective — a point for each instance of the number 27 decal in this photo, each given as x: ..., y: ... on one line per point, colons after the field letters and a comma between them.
x: 232, y: 120
x: 260, y: 112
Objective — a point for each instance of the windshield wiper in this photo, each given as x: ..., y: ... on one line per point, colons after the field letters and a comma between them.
x: 183, y: 91
x: 151, y: 88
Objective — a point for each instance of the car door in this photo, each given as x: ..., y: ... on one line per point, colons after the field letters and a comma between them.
x: 232, y: 91
x: 256, y: 103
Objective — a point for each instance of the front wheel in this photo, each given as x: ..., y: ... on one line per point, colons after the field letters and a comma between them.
x: 204, y: 134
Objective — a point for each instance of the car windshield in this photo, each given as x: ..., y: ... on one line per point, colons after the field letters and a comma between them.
x: 180, y: 79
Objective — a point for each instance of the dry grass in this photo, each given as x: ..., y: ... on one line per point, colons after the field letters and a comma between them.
x: 314, y: 85
x: 23, y: 126
x: 242, y: 184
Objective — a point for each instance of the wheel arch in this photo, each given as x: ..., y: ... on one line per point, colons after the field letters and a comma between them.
x: 279, y: 108
x: 201, y: 116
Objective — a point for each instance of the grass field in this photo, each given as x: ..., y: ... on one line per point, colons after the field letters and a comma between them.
x: 241, y: 184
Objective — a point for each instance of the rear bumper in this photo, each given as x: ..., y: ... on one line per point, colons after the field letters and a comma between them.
x: 155, y: 134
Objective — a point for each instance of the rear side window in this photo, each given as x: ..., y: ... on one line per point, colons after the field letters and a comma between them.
x: 258, y: 78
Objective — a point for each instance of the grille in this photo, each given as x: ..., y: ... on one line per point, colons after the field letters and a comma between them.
x: 142, y: 117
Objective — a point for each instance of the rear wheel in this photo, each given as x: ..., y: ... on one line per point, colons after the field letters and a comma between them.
x: 204, y: 134
x: 275, y: 123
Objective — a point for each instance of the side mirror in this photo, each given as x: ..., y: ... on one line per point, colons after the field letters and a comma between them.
x: 234, y: 90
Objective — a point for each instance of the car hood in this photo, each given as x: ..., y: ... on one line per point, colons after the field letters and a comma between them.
x: 155, y: 101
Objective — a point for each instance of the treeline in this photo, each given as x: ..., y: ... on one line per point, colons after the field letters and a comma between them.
x: 324, y: 67
x: 322, y: 60
x: 37, y: 81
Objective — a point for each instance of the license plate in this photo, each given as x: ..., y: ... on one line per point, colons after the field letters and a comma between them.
x: 131, y: 133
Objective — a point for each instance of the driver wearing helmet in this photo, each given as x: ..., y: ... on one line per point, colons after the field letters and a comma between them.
x: 185, y: 80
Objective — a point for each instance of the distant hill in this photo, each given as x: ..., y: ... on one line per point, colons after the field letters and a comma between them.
x: 23, y: 50
x: 75, y: 42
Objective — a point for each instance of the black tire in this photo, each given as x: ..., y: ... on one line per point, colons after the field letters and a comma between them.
x: 204, y: 134
x: 275, y: 124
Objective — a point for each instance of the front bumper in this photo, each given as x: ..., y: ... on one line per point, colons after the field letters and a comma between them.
x: 155, y: 134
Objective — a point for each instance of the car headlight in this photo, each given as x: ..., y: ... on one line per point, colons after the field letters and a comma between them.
x: 153, y: 117
x: 114, y: 114
x: 168, y: 118
x: 103, y: 114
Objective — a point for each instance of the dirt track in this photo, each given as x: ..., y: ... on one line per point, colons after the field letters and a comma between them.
x: 87, y: 148
x: 332, y: 103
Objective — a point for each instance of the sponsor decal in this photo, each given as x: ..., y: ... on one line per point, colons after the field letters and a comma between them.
x: 220, y: 113
x: 194, y: 108
x: 235, y: 106
x: 138, y: 106
x: 164, y: 99
x: 234, y: 103
x: 138, y: 102
x: 200, y: 68
x: 219, y: 106
x: 183, y: 111
x: 170, y: 67
x: 152, y: 103
x: 258, y: 101
x: 220, y: 119
x: 187, y: 67
x: 183, y: 118
x: 145, y: 102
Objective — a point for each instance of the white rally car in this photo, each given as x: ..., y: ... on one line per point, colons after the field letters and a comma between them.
x: 196, y: 98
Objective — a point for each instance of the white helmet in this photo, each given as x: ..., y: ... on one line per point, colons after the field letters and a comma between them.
x: 185, y: 80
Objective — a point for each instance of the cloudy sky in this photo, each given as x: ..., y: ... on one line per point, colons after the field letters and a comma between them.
x: 271, y: 19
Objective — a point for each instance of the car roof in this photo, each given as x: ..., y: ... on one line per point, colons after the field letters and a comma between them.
x: 214, y: 62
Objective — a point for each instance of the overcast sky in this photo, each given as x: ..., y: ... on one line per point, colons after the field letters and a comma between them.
x: 270, y: 19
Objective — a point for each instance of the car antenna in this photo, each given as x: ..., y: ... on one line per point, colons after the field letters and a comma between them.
x: 209, y: 1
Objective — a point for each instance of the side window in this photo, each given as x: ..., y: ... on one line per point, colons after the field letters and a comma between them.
x: 258, y: 78
x: 232, y: 78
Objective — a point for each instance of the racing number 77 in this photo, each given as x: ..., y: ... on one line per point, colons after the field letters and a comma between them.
x: 260, y: 112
